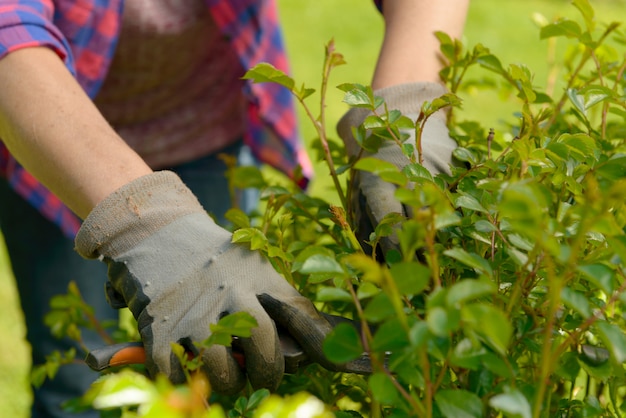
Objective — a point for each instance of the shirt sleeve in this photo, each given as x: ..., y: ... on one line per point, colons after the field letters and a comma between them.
x: 29, y: 23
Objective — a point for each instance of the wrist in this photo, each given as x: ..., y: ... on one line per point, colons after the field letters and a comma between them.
x: 133, y: 212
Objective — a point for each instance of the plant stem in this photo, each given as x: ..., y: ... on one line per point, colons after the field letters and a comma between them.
x: 547, y: 362
x: 427, y: 382
x: 433, y: 260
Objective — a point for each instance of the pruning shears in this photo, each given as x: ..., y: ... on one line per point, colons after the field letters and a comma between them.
x: 295, y: 357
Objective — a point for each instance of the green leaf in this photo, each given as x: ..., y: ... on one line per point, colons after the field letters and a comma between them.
x: 333, y: 294
x: 303, y: 92
x: 596, y: 94
x: 614, y: 339
x: 379, y: 308
x: 600, y: 275
x: 343, y: 344
x: 320, y: 263
x: 618, y: 245
x: 512, y: 403
x: 416, y: 171
x: 383, y: 389
x: 578, y: 100
x: 247, y: 176
x: 237, y: 324
x: 358, y: 98
x: 373, y: 121
x: 386, y: 170
x: 492, y: 63
x: 442, y: 322
x: 490, y: 323
x: 459, y: 403
x: 496, y: 365
x: 467, y: 354
x: 446, y: 219
x: 439, y: 103
x: 390, y: 336
x: 520, y: 242
x: 411, y: 278
x: 463, y: 154
x: 484, y: 226
x: 525, y: 205
x: 587, y: 11
x: 577, y: 301
x: 580, y: 146
x: 469, y: 289
x: 565, y: 27
x: 372, y: 271
x: 568, y: 366
x: 238, y: 218
x: 126, y: 388
x: 367, y: 290
x: 588, y: 97
x: 471, y: 260
x: 469, y: 202
x: 613, y: 169
x: 264, y: 72
x: 255, y: 237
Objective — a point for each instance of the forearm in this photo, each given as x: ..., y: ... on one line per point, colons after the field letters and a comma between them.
x: 53, y: 129
x: 410, y: 50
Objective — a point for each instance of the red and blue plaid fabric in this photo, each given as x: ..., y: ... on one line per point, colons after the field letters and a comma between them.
x: 84, y: 34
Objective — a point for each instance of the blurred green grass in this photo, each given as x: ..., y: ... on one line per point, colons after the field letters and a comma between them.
x: 506, y: 27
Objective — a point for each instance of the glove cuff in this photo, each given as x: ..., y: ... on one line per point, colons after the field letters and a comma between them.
x: 133, y: 212
x: 407, y: 98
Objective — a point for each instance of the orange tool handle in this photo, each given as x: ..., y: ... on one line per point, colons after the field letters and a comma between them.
x: 124, y: 354
x: 116, y: 355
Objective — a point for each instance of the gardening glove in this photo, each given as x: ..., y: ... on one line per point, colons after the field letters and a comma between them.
x: 178, y: 272
x: 373, y: 198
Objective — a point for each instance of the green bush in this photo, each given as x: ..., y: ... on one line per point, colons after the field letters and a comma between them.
x: 512, y: 306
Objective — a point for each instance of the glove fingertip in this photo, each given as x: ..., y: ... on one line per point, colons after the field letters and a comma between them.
x: 223, y: 371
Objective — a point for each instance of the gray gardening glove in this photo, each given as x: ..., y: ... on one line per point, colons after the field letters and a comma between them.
x: 178, y: 272
x: 374, y: 198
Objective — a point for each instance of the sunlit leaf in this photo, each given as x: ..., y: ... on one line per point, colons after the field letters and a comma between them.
x: 255, y: 237
x: 264, y: 72
x: 565, y: 27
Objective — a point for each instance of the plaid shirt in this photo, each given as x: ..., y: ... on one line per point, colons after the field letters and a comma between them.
x: 84, y: 34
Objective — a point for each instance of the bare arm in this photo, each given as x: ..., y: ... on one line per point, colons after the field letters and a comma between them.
x: 410, y: 50
x: 53, y: 129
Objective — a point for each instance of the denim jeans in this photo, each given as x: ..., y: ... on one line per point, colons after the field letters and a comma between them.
x: 44, y: 262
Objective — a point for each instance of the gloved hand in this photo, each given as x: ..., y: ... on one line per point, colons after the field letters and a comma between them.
x: 178, y: 272
x: 374, y: 198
